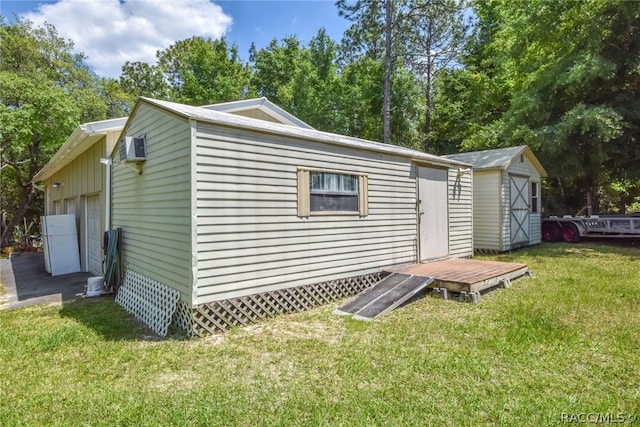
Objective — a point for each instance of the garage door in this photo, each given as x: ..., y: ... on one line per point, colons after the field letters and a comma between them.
x: 94, y: 236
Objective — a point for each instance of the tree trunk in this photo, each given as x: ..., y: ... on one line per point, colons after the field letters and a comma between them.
x: 28, y: 192
x: 428, y: 88
x: 386, y: 102
x: 427, y: 114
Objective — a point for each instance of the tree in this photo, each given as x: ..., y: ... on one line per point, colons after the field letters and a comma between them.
x: 45, y: 91
x: 374, y: 21
x: 202, y: 71
x: 424, y: 36
x: 275, y: 69
x: 142, y: 79
x: 119, y: 102
x: 566, y: 83
x: 304, y: 79
x: 194, y: 71
x: 434, y: 34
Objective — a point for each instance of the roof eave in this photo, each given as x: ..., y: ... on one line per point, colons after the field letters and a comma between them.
x: 82, y: 138
x: 230, y: 120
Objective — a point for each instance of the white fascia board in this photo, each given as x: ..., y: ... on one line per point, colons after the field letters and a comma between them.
x: 82, y: 138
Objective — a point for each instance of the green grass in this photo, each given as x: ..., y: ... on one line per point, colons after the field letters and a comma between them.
x: 564, y: 342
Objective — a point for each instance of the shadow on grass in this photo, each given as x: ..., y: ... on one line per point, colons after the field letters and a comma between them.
x: 108, y: 319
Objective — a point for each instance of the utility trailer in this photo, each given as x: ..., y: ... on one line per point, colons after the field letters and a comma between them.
x: 573, y: 229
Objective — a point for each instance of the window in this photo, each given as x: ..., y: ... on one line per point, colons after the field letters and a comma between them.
x: 534, y: 197
x: 331, y: 192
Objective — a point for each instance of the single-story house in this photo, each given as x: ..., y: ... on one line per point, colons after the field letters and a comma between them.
x: 238, y: 211
x: 234, y: 213
x: 75, y: 183
x: 75, y: 179
x: 507, y: 195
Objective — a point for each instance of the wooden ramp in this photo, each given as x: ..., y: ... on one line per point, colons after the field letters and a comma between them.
x: 384, y: 296
x: 465, y: 275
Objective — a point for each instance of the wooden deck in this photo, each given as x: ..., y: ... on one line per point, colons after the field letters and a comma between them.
x: 465, y: 275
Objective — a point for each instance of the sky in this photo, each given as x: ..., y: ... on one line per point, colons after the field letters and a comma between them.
x: 111, y: 32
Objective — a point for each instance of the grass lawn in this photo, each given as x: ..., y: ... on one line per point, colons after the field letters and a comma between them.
x: 563, y: 344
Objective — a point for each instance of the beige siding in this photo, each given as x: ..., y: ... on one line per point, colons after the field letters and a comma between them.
x: 256, y: 114
x: 505, y: 211
x: 460, y: 213
x: 154, y: 208
x: 82, y: 178
x: 250, y: 238
x: 487, y: 206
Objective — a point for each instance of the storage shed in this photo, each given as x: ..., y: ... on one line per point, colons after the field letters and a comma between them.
x: 75, y: 183
x: 506, y: 197
x: 229, y: 218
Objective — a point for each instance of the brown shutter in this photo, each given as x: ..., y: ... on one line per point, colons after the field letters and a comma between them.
x: 303, y: 193
x: 364, y: 195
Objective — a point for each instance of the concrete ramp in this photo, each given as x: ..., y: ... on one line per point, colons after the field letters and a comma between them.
x: 384, y: 296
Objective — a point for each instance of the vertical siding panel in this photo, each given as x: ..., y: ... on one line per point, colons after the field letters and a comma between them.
x: 154, y: 208
x: 486, y: 210
x: 460, y: 213
x: 505, y: 201
x: 83, y: 176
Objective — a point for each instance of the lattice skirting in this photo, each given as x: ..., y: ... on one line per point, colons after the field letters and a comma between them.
x: 486, y: 251
x: 151, y: 302
x: 221, y: 315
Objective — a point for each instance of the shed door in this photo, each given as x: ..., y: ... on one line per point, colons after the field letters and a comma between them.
x: 94, y: 235
x: 433, y: 212
x: 519, y: 209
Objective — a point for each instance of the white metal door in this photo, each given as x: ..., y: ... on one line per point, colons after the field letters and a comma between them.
x: 433, y: 212
x: 519, y: 187
x: 93, y: 235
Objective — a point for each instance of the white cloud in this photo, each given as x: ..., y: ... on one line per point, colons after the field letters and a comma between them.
x: 111, y: 32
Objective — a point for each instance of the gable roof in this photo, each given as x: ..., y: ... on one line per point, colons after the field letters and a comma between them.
x: 262, y: 104
x: 498, y: 158
x: 208, y: 115
x: 82, y: 138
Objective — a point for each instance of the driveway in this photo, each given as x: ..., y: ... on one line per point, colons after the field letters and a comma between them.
x: 27, y: 282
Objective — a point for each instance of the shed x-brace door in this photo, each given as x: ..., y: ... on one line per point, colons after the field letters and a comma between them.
x: 519, y: 209
x: 434, y: 212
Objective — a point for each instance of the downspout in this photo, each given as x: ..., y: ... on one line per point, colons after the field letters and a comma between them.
x: 107, y: 210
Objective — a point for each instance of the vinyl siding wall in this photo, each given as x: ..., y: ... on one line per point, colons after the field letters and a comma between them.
x: 154, y: 208
x: 83, y: 177
x: 487, y: 207
x: 460, y: 214
x: 249, y: 237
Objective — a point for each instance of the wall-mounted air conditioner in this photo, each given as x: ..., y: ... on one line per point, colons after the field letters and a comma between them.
x: 133, y: 149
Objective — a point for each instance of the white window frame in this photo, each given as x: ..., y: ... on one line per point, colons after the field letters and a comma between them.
x: 535, y: 197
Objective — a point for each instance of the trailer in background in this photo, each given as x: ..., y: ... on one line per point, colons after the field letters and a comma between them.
x: 573, y: 229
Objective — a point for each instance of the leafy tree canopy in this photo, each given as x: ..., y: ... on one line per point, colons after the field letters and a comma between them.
x: 45, y: 92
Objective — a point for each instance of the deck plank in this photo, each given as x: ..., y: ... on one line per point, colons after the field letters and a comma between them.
x: 458, y: 274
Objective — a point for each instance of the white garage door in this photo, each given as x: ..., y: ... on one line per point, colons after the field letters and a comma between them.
x: 94, y: 236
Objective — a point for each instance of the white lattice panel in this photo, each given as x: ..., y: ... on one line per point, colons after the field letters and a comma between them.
x: 149, y: 301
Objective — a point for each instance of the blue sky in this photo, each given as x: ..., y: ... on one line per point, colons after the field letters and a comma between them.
x: 111, y: 32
